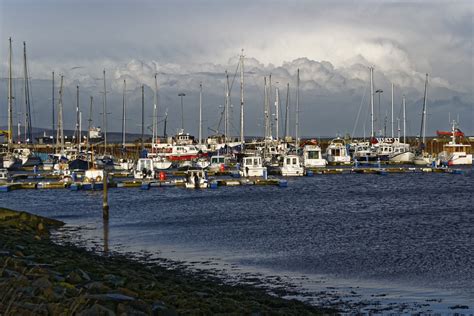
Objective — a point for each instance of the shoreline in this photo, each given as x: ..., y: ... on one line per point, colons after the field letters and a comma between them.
x: 40, y: 277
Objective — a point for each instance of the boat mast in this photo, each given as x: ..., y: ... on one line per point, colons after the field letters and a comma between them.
x: 143, y: 117
x: 269, y: 109
x: 265, y: 110
x: 28, y: 135
x: 52, y: 108
x: 404, y: 121
x: 287, y: 117
x: 371, y: 102
x: 10, y: 97
x: 104, y: 117
x: 277, y: 106
x: 392, y: 112
x: 155, y: 111
x: 77, y: 132
x: 90, y: 123
x: 123, y: 113
x: 200, y: 113
x: 423, y: 114
x: 242, y: 138
x: 226, y: 108
x: 60, y: 131
x: 297, y: 109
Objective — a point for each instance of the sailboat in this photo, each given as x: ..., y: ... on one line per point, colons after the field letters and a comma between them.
x: 422, y: 158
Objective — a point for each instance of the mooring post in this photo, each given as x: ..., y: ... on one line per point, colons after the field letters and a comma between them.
x: 105, y: 203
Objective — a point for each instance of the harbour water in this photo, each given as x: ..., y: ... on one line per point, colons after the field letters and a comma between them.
x: 398, y: 243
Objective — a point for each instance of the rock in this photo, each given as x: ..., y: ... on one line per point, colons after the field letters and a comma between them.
x: 96, y: 310
x: 160, y: 309
x: 114, y: 297
x: 127, y: 292
x: 97, y: 287
x: 4, y: 253
x: 114, y: 280
x: 74, y: 278
x: 10, y: 273
x: 40, y: 227
x: 83, y: 275
x: 42, y: 283
x: 37, y: 237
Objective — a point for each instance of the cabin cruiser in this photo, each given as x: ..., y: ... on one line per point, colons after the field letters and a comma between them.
x: 455, y: 153
x: 291, y: 166
x: 28, y: 159
x: 252, y: 167
x: 218, y: 162
x: 144, y: 169
x: 364, y: 152
x: 312, y: 157
x: 402, y: 153
x: 161, y: 163
x: 336, y: 152
x: 196, y: 179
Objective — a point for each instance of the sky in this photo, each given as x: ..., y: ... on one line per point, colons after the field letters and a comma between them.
x: 186, y: 43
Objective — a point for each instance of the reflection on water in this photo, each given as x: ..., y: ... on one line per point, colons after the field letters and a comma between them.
x: 394, y: 238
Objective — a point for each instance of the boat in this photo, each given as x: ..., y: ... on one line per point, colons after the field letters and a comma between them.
x: 364, y: 152
x: 401, y: 153
x: 336, y: 152
x: 144, y: 169
x: 218, y: 162
x: 202, y: 163
x: 455, y: 153
x: 312, y: 157
x: 161, y: 163
x: 4, y: 175
x: 196, y: 179
x: 94, y: 175
x: 291, y: 166
x: 28, y: 159
x: 252, y: 167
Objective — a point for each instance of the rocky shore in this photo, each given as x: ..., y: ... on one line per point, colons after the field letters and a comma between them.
x: 39, y: 277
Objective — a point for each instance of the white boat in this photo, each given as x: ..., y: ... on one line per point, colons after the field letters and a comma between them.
x: 402, y: 153
x: 202, y: 163
x: 454, y: 153
x: 144, y: 169
x: 218, y: 162
x: 364, y: 152
x: 94, y: 175
x: 252, y: 167
x: 336, y: 153
x: 4, y: 176
x: 161, y: 163
x: 196, y: 179
x: 292, y: 166
x: 124, y: 165
x: 424, y: 159
x: 312, y: 157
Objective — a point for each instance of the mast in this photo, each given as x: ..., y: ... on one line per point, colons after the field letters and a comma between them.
x: 90, y: 122
x: 200, y: 113
x: 226, y: 107
x: 123, y: 113
x: 287, y: 117
x: 155, y: 113
x: 143, y: 117
x: 277, y: 106
x: 80, y: 127
x: 372, y: 135
x: 104, y: 117
x: 60, y: 131
x: 52, y: 108
x: 242, y: 138
x: 28, y: 135
x: 269, y: 109
x: 404, y: 120
x: 423, y: 113
x: 265, y: 111
x: 392, y: 111
x: 77, y: 132
x: 10, y: 97
x: 297, y: 108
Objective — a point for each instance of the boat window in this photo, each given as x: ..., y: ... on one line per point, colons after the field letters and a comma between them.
x: 294, y: 161
x: 288, y: 161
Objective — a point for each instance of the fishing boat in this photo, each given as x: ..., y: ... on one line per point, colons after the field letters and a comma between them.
x: 144, y: 169
x: 364, y: 152
x: 336, y: 152
x: 27, y: 158
x: 252, y: 167
x: 202, y: 163
x: 455, y: 153
x: 161, y: 163
x: 291, y: 166
x: 312, y: 157
x: 401, y: 153
x: 218, y: 162
x: 196, y: 179
x: 94, y: 175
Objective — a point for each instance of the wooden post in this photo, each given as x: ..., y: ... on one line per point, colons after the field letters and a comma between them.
x: 105, y: 203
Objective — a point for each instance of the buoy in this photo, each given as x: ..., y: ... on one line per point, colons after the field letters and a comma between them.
x: 222, y: 167
x: 162, y: 176
x: 145, y: 186
x: 213, y: 185
x: 309, y: 173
